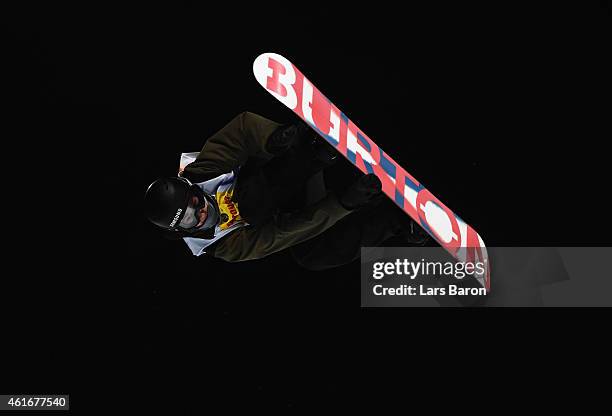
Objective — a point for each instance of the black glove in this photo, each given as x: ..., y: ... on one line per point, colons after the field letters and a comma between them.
x: 364, y: 190
x: 285, y: 137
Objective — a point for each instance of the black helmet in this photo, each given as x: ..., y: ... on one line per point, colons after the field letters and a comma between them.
x: 169, y: 205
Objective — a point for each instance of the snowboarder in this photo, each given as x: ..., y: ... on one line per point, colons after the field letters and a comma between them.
x: 257, y: 188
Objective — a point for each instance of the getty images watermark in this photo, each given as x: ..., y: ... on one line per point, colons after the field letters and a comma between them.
x: 423, y: 272
x: 421, y: 276
x: 514, y: 277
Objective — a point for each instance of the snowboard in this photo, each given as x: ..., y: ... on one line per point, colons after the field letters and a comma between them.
x: 286, y: 83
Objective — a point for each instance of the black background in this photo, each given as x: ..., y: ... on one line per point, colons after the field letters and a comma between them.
x: 501, y: 111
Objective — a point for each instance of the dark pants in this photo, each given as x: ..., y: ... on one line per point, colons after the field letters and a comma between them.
x: 295, y: 180
x: 341, y: 244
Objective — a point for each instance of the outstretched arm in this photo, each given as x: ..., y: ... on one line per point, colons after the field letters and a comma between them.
x: 242, y: 138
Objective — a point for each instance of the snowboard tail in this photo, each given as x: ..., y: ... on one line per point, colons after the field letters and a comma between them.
x: 287, y: 84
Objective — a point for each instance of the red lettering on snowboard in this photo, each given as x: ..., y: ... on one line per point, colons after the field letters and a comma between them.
x: 274, y: 83
x: 290, y: 86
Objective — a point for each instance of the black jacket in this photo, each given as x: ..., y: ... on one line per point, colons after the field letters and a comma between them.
x: 242, y: 143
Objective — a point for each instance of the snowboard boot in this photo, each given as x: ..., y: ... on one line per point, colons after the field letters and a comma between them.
x: 415, y: 235
x: 407, y: 229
